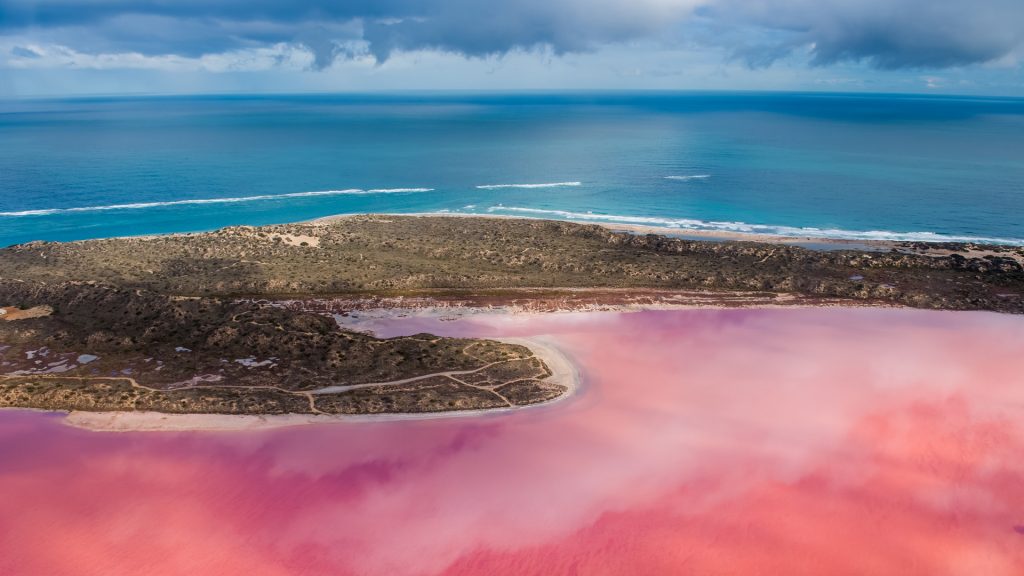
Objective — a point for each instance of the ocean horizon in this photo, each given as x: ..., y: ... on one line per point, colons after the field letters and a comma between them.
x: 856, y: 166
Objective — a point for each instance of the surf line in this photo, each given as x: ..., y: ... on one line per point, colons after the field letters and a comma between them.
x: 229, y: 200
x: 541, y: 185
x: 746, y: 228
x: 688, y: 178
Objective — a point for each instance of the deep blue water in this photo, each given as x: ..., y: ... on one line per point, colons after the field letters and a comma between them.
x: 844, y: 165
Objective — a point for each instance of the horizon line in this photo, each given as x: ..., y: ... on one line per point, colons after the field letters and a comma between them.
x: 412, y: 92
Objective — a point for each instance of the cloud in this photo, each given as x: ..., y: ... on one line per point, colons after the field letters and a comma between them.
x: 277, y: 56
x: 25, y: 52
x: 466, y: 27
x: 886, y: 34
x: 472, y: 28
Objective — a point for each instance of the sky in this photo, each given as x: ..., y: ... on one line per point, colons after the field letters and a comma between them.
x: 84, y: 47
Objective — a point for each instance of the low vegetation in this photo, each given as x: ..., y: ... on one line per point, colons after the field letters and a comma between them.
x: 198, y: 322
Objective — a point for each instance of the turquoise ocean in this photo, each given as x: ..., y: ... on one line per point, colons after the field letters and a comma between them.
x: 849, y: 166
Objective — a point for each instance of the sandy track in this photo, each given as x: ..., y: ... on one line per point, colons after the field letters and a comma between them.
x: 564, y: 372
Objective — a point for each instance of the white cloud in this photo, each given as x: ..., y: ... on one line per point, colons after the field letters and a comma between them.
x: 528, y: 44
x: 42, y: 56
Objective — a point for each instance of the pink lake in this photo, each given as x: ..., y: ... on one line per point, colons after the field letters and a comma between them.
x: 800, y: 441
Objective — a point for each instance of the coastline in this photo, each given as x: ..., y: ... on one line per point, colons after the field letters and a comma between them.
x: 563, y: 372
x: 710, y: 235
x: 355, y: 314
x: 937, y: 247
x: 823, y: 243
x: 509, y: 283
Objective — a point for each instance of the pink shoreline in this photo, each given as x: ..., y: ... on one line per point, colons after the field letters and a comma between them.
x: 739, y: 441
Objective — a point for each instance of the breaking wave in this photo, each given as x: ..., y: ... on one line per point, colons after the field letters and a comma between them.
x: 142, y: 205
x: 745, y: 228
x: 542, y: 185
x: 691, y: 177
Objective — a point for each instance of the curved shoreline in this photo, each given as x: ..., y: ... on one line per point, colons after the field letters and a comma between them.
x: 709, y: 235
x: 563, y: 372
x: 821, y: 242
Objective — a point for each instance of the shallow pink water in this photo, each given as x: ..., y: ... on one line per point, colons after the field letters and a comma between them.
x: 819, y: 441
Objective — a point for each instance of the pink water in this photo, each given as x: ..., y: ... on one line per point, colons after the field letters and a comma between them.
x: 705, y: 442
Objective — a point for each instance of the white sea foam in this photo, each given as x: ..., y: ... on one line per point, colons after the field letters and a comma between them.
x: 745, y: 228
x: 143, y: 205
x: 690, y: 177
x: 542, y: 185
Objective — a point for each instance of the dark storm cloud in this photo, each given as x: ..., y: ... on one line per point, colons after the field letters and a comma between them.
x: 476, y: 28
x: 468, y: 27
x: 187, y: 27
x: 885, y: 33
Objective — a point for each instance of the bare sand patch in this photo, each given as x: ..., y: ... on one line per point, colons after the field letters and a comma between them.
x: 12, y: 313
x: 297, y: 240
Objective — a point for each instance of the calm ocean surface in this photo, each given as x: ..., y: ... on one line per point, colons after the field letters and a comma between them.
x: 819, y: 165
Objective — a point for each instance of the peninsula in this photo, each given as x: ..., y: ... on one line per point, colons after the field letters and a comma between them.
x: 243, y: 320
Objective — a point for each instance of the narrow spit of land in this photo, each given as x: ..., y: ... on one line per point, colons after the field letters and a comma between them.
x: 241, y: 320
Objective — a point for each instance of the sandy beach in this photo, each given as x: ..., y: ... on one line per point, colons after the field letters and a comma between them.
x: 977, y: 250
x: 931, y: 248
x: 813, y: 242
x: 713, y: 235
x: 564, y: 373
